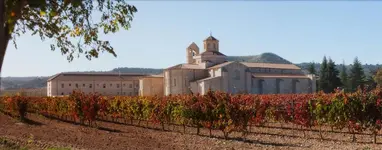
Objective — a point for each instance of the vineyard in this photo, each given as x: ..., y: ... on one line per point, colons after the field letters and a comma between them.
x: 358, y: 112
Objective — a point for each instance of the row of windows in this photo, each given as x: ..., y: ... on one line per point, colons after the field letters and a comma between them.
x: 91, y: 85
x: 104, y: 93
x: 267, y: 70
x: 185, y: 82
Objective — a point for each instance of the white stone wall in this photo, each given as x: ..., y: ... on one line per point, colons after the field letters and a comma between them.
x: 151, y: 86
x: 177, y: 81
x: 103, y: 85
x: 235, y: 78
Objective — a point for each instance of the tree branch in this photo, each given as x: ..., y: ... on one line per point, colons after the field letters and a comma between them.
x: 18, y: 10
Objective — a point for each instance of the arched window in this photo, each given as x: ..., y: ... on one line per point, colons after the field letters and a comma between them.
x: 261, y: 86
x: 294, y: 85
x: 278, y: 85
x: 237, y: 75
x: 193, y: 52
x: 310, y: 86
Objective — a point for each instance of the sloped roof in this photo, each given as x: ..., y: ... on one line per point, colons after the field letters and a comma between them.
x: 271, y: 65
x: 193, y: 46
x: 221, y: 65
x: 209, y: 78
x: 269, y: 75
x: 210, y: 38
x: 186, y: 66
x: 95, y: 74
x: 212, y: 53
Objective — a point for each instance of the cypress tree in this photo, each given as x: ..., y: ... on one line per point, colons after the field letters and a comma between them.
x: 344, y: 77
x: 312, y: 68
x: 333, y: 80
x: 323, y: 78
x: 357, y: 76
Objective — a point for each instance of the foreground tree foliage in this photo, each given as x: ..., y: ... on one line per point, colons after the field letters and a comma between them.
x: 68, y: 22
x: 358, y: 112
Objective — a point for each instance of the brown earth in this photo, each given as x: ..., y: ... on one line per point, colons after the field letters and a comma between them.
x: 43, y: 133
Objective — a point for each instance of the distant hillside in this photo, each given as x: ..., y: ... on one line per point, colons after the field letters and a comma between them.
x: 11, y: 83
x: 262, y: 58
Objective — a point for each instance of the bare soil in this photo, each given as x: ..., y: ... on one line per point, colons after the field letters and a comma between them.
x: 43, y: 133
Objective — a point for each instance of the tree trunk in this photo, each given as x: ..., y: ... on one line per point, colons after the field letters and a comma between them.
x: 2, y: 33
x: 321, y: 133
x: 375, y: 137
x: 5, y: 33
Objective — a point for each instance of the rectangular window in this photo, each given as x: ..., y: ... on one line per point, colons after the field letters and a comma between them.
x: 62, y: 85
x: 111, y: 84
x: 70, y: 84
x: 104, y: 85
x: 130, y: 86
x: 117, y: 93
x: 124, y: 93
x: 124, y: 84
x: 90, y: 85
x: 174, y: 82
x: 83, y: 85
x: 117, y: 85
x: 76, y: 85
x: 130, y: 93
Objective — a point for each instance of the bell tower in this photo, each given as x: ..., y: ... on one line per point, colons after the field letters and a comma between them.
x: 192, y: 51
x: 211, y: 43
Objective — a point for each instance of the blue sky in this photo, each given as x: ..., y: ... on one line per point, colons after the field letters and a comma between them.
x: 299, y: 31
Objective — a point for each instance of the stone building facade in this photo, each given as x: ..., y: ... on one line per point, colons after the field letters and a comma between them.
x: 102, y: 83
x: 210, y: 70
x: 203, y: 71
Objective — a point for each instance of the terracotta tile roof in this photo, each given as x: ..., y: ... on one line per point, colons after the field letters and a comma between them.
x: 212, y: 53
x: 263, y: 75
x: 186, y: 66
x: 221, y: 65
x: 271, y: 65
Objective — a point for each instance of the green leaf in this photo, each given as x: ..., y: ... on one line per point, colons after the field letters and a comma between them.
x: 53, y: 13
x: 42, y: 13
